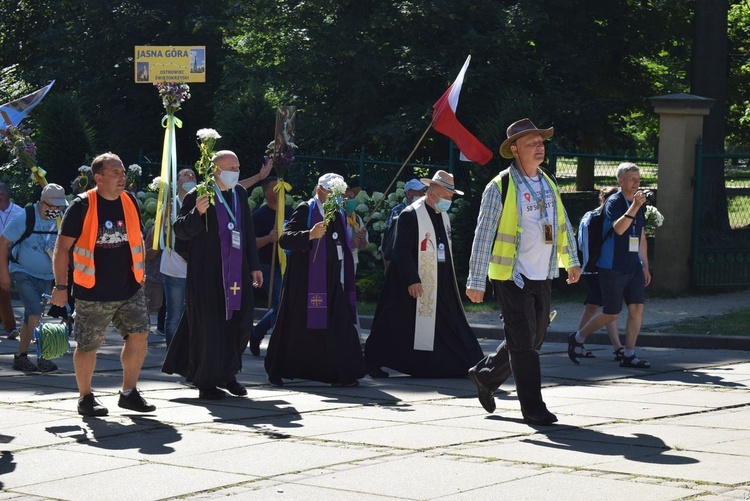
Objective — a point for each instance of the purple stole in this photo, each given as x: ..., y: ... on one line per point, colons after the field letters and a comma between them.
x: 317, y: 272
x: 231, y: 258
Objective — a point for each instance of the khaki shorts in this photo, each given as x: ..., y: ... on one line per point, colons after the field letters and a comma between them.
x: 92, y: 319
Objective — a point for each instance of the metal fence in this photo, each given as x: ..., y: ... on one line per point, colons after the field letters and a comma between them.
x: 723, y: 260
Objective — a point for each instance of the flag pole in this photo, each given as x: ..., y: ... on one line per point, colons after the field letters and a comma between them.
x: 393, y: 181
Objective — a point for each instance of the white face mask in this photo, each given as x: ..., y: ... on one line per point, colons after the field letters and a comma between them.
x: 188, y: 185
x: 229, y: 178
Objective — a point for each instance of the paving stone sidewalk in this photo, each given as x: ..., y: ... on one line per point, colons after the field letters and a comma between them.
x: 678, y: 431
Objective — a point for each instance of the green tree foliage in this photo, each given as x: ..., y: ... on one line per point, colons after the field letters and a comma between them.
x: 63, y: 144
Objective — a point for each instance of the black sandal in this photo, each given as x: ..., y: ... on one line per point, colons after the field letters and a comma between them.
x: 629, y: 362
x: 619, y: 353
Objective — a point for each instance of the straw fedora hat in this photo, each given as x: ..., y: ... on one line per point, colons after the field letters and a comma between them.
x: 444, y: 179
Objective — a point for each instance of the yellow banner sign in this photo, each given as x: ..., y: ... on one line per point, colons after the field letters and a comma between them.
x: 170, y: 64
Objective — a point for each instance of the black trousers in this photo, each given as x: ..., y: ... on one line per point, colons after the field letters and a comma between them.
x: 526, y: 317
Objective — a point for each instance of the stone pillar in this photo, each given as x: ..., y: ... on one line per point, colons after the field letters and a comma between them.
x: 681, y: 126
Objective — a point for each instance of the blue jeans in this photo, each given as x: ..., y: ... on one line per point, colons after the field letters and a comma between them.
x: 174, y: 295
x: 269, y: 318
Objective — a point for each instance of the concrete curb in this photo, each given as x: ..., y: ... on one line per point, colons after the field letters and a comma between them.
x: 645, y: 339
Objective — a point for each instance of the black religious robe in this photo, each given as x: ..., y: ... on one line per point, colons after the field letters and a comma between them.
x: 207, y: 348
x: 391, y: 339
x: 332, y: 354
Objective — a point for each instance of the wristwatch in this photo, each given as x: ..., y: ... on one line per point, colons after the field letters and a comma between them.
x: 61, y: 287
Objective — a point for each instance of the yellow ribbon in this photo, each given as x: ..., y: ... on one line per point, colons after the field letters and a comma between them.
x: 351, y: 220
x: 280, y: 189
x: 162, y: 231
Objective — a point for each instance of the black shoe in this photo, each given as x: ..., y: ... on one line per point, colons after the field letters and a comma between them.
x: 378, y: 373
x: 544, y: 417
x: 255, y: 346
x: 485, y: 395
x: 572, y: 345
x: 234, y: 388
x: 135, y: 402
x: 89, y: 405
x: 211, y: 393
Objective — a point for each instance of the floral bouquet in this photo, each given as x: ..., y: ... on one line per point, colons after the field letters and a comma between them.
x: 204, y: 166
x: 172, y: 95
x: 654, y: 219
x: 133, y: 176
x: 281, y: 161
x: 332, y: 205
x: 20, y: 145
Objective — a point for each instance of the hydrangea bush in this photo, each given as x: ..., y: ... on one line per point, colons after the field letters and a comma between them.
x: 370, y: 258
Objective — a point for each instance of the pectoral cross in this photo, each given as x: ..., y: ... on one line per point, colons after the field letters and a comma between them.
x: 235, y: 288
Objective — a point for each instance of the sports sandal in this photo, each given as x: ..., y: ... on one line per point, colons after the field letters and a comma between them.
x: 572, y: 354
x: 619, y: 353
x: 634, y: 362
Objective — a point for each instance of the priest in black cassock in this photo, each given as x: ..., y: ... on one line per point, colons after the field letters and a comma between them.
x: 420, y: 327
x: 315, y: 336
x: 222, y: 270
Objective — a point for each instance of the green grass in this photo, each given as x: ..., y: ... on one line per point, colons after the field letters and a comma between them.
x: 731, y: 324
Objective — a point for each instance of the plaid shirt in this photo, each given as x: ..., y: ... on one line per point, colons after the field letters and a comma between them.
x: 484, y: 236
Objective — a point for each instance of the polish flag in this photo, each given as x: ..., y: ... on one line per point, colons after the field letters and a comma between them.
x: 444, y: 121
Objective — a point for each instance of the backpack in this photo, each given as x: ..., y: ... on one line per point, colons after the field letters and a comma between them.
x: 589, y: 248
x: 505, y: 179
x: 30, y: 221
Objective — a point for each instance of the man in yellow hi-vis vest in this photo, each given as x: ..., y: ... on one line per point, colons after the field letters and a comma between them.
x: 523, y: 237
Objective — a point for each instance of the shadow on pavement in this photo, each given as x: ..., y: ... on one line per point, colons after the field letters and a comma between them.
x: 640, y: 447
x: 152, y: 436
x: 6, y: 458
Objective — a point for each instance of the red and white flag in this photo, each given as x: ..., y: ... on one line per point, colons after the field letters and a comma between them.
x: 444, y: 121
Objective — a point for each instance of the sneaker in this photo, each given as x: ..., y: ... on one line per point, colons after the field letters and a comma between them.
x: 44, y: 365
x: 135, y: 402
x: 22, y: 363
x: 13, y: 333
x: 89, y: 405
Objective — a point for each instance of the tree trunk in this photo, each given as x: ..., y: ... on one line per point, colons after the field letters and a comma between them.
x: 710, y: 70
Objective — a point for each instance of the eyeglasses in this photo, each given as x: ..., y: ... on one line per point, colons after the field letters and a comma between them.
x: 53, y: 207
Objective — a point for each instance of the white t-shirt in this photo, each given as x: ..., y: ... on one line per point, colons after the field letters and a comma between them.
x: 533, y: 253
x: 172, y: 263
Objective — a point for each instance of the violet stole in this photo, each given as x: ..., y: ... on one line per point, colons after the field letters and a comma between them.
x: 317, y: 271
x: 231, y: 258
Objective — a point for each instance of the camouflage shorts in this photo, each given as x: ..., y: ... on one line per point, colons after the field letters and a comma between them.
x: 92, y: 319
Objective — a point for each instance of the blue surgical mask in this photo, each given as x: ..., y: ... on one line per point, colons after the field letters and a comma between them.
x: 189, y: 185
x: 443, y: 205
x: 350, y: 205
x: 229, y: 178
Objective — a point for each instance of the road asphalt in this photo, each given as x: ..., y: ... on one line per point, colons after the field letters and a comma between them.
x: 680, y: 430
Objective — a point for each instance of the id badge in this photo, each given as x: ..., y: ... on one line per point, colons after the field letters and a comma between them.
x: 340, y: 252
x: 548, y: 234
x: 441, y: 253
x: 633, y: 244
x: 236, y: 239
